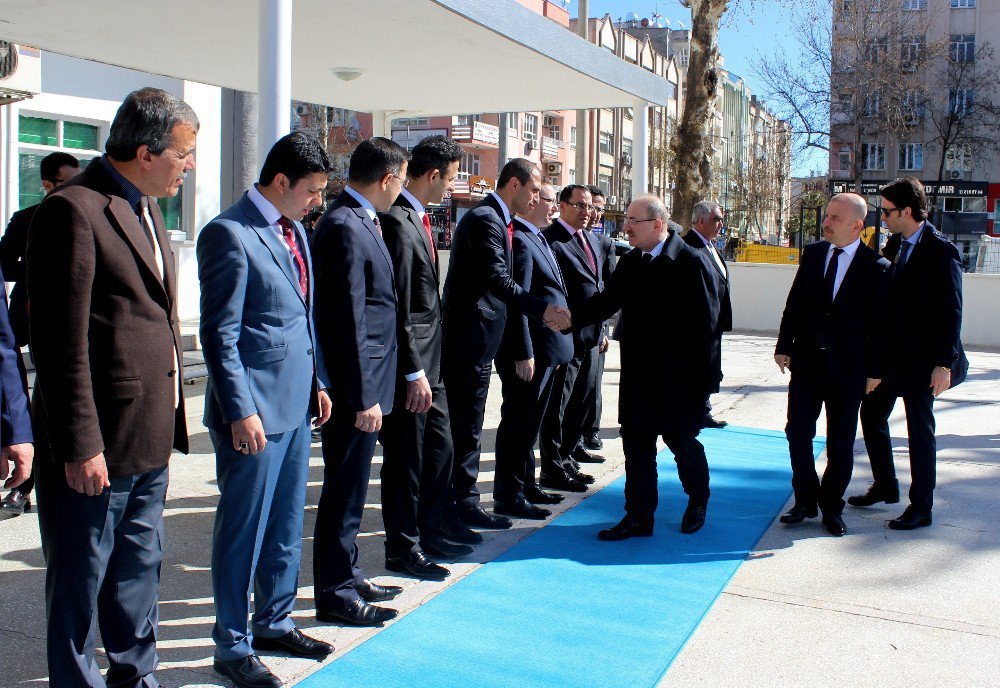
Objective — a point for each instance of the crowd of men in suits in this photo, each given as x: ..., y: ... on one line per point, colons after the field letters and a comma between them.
x: 346, y: 332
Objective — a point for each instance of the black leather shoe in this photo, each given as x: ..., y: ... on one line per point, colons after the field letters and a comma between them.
x: 561, y: 481
x: 576, y: 475
x: 536, y: 496
x: 626, y: 528
x: 593, y: 442
x: 835, y: 525
x: 373, y: 592
x: 476, y: 517
x: 247, y: 672
x: 357, y: 613
x: 797, y: 514
x: 453, y: 529
x: 710, y: 422
x: 583, y: 456
x: 876, y: 493
x: 910, y: 519
x: 295, y: 642
x: 693, y: 519
x: 520, y: 508
x: 14, y: 504
x: 442, y: 549
x: 416, y: 564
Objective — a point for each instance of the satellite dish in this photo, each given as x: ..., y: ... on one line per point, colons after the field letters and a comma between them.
x: 644, y: 23
x: 631, y: 16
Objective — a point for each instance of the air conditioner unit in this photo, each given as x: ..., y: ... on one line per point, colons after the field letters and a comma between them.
x: 20, y: 72
x: 955, y: 174
x: 529, y: 145
x: 553, y: 168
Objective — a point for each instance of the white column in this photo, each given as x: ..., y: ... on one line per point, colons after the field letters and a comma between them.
x: 640, y: 148
x: 274, y: 74
x: 382, y: 122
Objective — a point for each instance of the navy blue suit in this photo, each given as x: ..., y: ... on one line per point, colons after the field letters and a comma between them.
x: 537, y: 272
x: 15, y: 421
x: 356, y: 324
x: 257, y: 335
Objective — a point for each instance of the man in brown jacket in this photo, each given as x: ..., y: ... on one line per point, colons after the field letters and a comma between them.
x: 108, y: 407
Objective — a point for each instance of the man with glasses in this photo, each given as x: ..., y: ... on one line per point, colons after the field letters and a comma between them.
x: 924, y: 356
x: 706, y: 221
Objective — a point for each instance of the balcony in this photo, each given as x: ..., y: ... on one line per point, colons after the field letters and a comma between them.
x: 477, y: 135
x: 550, y: 147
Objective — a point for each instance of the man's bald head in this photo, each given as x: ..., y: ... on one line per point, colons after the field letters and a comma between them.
x: 855, y: 206
x: 845, y: 218
x: 541, y: 213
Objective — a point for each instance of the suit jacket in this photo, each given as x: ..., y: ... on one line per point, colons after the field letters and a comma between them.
x: 581, y: 282
x: 15, y: 421
x: 418, y: 314
x: 722, y: 308
x: 609, y: 259
x: 104, y: 329
x: 535, y: 271
x: 923, y: 312
x: 667, y: 361
x: 479, y: 286
x: 355, y: 306
x: 256, y: 328
x: 12, y: 248
x: 844, y: 337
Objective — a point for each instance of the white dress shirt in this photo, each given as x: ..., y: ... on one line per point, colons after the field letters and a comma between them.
x: 503, y: 207
x: 843, y: 262
x: 715, y: 253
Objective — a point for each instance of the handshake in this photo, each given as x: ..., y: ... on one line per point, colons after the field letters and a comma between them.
x: 557, y: 318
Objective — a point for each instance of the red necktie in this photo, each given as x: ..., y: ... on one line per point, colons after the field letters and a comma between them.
x: 293, y: 246
x: 585, y: 245
x: 510, y: 234
x: 430, y: 237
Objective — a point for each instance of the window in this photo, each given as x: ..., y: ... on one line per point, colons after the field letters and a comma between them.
x: 877, y: 50
x: 958, y: 4
x: 572, y: 137
x: 39, y: 136
x: 604, y: 183
x: 960, y: 102
x: 974, y: 205
x: 963, y: 47
x: 914, y: 5
x: 604, y: 143
x: 912, y: 51
x: 626, y: 146
x: 404, y: 122
x: 844, y: 157
x: 572, y: 176
x: 555, y: 132
x: 847, y: 6
x: 872, y: 102
x: 512, y: 124
x: 671, y: 90
x: 844, y: 103
x: 913, y: 107
x: 873, y: 156
x: 911, y: 156
x: 469, y: 166
x: 464, y: 120
x: 531, y: 127
x: 958, y: 158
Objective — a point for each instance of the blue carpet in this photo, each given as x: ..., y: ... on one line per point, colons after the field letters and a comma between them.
x: 563, y: 609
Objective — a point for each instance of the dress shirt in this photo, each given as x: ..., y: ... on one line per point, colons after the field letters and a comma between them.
x: 537, y: 232
x: 503, y: 208
x: 912, y: 241
x: 843, y: 262
x: 365, y: 203
x: 714, y: 251
x: 421, y: 211
x: 657, y: 250
x: 130, y: 192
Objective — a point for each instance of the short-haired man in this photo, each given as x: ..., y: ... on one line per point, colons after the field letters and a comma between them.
x: 477, y: 293
x: 15, y: 420
x: 592, y: 415
x: 924, y: 356
x: 527, y: 360
x: 706, y: 223
x: 830, y: 339
x: 654, y: 398
x: 416, y: 437
x: 256, y: 292
x: 108, y: 407
x: 356, y: 327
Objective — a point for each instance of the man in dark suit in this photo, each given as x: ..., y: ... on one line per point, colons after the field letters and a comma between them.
x: 706, y: 223
x: 264, y: 383
x: 526, y: 362
x: 830, y: 340
x: 15, y: 421
x: 592, y: 414
x: 667, y: 363
x: 924, y: 356
x: 582, y: 265
x: 356, y: 328
x: 477, y: 293
x: 416, y: 438
x: 108, y: 407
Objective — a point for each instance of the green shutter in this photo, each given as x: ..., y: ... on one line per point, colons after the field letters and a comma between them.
x: 37, y: 130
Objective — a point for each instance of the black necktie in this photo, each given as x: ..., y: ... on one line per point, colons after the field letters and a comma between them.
x: 831, y: 271
x: 647, y: 258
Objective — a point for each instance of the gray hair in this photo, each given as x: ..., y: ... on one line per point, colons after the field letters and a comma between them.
x: 147, y: 117
x: 702, y: 209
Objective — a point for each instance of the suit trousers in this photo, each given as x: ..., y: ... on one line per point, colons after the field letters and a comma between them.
x: 520, y: 420
x: 808, y: 392
x: 641, y: 495
x: 103, y: 558
x: 920, y: 428
x: 347, y: 461
x: 563, y: 423
x: 416, y: 472
x: 257, y: 540
x: 592, y: 416
x: 467, y: 385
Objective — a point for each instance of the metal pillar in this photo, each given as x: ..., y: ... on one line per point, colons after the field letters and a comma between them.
x: 640, y: 148
x: 274, y: 73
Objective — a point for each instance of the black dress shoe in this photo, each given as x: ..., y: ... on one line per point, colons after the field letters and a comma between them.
x: 593, y: 442
x: 710, y: 422
x: 835, y: 525
x: 476, y: 517
x: 295, y: 642
x: 910, y: 519
x: 876, y: 493
x: 453, y: 529
x: 576, y: 475
x: 439, y: 547
x: 14, y: 504
x: 536, y: 496
x: 373, y: 592
x: 521, y: 508
x: 247, y: 672
x: 561, y: 481
x: 357, y: 613
x: 583, y: 456
x: 626, y: 528
x: 693, y: 519
x: 416, y: 564
x: 797, y: 514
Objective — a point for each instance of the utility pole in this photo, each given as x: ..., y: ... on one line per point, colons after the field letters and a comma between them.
x: 582, y: 135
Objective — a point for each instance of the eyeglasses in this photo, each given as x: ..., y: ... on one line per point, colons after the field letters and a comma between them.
x: 581, y: 206
x: 635, y: 221
x: 404, y: 181
x: 886, y: 212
